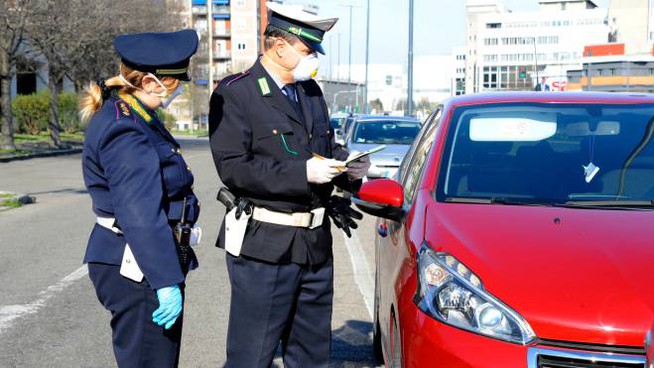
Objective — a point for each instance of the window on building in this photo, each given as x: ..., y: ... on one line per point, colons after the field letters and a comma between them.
x: 493, y: 25
x: 25, y: 83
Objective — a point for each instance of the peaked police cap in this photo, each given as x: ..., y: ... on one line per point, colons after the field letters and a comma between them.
x: 165, y: 54
x: 309, y: 28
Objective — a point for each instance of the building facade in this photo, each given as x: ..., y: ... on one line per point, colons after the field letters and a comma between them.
x: 514, y: 50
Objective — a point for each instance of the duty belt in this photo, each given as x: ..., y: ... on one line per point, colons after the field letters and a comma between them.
x: 309, y: 220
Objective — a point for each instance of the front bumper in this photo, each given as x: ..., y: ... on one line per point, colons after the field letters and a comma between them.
x: 430, y: 343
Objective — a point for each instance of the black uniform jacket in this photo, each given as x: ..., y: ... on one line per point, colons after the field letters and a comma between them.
x: 260, y: 147
x: 135, y: 173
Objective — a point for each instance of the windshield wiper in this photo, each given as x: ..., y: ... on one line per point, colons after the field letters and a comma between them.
x: 496, y: 200
x: 611, y: 204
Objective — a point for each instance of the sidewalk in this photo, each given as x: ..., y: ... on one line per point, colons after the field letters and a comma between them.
x: 29, y: 150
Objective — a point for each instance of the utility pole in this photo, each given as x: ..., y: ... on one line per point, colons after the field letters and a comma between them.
x: 331, y: 49
x: 349, y: 66
x: 365, y: 91
x: 409, y: 109
x: 210, y: 48
x: 338, y: 67
x: 536, y: 63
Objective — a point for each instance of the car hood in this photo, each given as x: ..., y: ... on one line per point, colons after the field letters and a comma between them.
x: 392, y: 154
x: 574, y: 274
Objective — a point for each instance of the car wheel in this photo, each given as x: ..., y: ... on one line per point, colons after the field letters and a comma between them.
x: 396, y: 346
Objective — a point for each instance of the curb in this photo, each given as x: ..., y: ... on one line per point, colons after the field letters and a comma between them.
x: 41, y: 154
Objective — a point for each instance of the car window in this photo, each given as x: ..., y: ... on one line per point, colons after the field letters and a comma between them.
x: 385, y: 132
x: 434, y: 118
x: 551, y: 153
x: 415, y: 168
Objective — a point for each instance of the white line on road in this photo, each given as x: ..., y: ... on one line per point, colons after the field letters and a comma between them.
x: 10, y: 313
x: 362, y: 275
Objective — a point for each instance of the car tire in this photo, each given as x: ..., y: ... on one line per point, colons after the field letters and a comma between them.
x: 396, y: 346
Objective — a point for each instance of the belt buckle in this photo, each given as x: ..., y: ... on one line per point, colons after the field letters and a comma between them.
x: 317, y: 218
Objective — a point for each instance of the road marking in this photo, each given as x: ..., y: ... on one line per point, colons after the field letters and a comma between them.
x: 10, y: 313
x: 362, y: 275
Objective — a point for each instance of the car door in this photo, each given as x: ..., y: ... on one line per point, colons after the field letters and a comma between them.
x: 391, y: 248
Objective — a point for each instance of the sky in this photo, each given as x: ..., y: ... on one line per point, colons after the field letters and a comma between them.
x: 439, y: 25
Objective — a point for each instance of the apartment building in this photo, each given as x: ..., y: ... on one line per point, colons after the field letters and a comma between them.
x: 508, y: 50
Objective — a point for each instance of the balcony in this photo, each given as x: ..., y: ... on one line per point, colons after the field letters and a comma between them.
x: 222, y: 55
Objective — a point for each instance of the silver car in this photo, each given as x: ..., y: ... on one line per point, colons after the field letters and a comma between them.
x: 396, y: 133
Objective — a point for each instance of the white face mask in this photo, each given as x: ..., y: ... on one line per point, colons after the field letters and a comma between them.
x: 166, y: 101
x: 307, y: 67
x: 166, y: 98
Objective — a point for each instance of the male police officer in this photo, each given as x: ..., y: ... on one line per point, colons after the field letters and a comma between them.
x: 272, y: 146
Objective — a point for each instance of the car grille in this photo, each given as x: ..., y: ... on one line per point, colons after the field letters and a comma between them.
x: 568, y: 358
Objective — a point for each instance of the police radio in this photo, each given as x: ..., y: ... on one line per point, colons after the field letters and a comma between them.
x: 182, y: 233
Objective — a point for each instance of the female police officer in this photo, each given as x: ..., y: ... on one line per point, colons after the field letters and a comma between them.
x: 142, y: 192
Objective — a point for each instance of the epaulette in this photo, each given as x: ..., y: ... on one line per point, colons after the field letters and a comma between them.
x: 233, y: 78
x: 122, y: 109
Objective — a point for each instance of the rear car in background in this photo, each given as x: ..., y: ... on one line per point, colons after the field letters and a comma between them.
x: 396, y: 133
x: 519, y: 233
x: 337, y: 123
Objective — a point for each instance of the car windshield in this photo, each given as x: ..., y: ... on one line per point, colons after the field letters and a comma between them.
x: 549, y: 154
x: 385, y: 132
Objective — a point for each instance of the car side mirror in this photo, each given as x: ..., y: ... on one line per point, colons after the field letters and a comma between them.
x: 382, y: 198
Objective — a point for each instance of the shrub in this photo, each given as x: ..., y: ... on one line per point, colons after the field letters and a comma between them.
x: 32, y: 112
x: 68, y: 104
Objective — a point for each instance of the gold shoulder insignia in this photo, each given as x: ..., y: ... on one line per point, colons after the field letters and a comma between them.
x: 123, y: 108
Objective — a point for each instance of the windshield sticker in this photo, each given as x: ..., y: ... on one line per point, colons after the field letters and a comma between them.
x: 510, y: 129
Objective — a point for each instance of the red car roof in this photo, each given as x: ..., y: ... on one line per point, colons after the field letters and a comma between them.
x: 551, y: 97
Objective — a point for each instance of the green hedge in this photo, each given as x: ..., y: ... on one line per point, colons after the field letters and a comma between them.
x: 32, y: 112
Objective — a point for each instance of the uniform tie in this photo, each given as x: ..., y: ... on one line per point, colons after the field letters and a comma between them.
x: 291, y: 94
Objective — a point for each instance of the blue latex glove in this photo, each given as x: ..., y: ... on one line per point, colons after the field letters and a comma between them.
x: 170, y: 306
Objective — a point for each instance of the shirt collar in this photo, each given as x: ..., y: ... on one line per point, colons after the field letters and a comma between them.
x: 274, y: 77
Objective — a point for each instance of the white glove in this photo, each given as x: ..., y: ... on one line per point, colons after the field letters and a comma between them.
x: 358, y: 169
x: 323, y: 170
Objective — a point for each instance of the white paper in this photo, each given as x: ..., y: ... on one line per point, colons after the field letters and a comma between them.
x: 129, y: 268
x: 235, y: 231
x: 590, y: 171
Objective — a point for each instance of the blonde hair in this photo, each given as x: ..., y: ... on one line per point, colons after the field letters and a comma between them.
x: 93, y: 97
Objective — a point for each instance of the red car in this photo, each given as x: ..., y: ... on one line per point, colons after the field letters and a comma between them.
x: 519, y: 232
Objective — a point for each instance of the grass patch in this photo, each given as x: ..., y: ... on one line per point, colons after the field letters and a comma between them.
x: 191, y: 133
x: 6, y: 195
x: 45, y: 137
x: 10, y: 204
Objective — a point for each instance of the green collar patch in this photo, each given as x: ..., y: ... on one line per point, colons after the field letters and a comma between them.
x: 136, y: 106
x: 263, y: 85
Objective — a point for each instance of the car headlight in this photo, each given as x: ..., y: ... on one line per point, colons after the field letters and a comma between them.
x: 449, y: 292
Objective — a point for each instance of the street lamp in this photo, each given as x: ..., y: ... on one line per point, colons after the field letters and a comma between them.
x: 409, y: 108
x: 365, y: 91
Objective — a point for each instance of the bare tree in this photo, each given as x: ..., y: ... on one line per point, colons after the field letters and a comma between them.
x: 13, y: 16
x: 75, y: 37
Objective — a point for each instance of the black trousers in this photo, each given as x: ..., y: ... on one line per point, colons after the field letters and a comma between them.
x: 137, y: 341
x: 273, y: 303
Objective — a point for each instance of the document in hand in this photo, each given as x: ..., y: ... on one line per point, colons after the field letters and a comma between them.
x: 364, y: 154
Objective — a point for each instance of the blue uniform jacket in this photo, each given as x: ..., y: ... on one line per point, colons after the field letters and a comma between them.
x: 134, y: 172
x: 260, y: 146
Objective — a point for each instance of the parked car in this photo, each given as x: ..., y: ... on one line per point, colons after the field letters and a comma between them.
x: 337, y: 123
x: 519, y: 233
x: 396, y: 133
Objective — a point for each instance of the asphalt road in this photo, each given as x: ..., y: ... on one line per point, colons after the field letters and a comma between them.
x: 50, y: 317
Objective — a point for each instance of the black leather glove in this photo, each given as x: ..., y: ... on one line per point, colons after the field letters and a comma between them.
x: 342, y: 214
